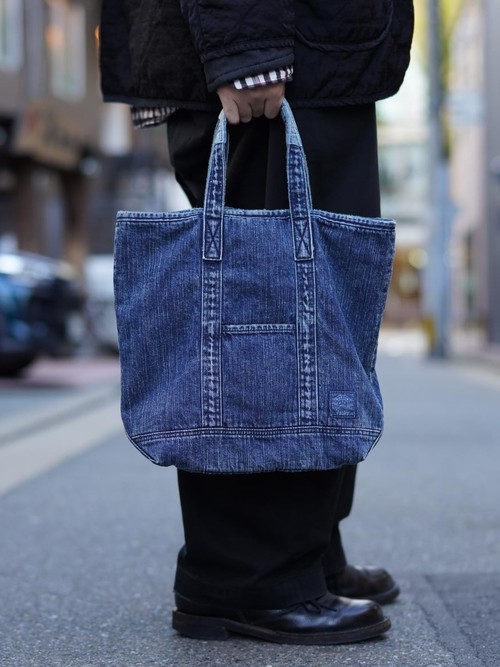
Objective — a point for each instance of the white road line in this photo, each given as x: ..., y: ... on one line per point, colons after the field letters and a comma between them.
x: 12, y: 426
x: 32, y: 455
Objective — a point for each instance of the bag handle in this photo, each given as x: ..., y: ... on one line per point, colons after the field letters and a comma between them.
x: 299, y: 190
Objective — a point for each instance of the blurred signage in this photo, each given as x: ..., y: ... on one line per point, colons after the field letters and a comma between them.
x: 48, y: 134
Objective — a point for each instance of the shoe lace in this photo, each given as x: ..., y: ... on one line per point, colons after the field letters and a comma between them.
x: 313, y: 606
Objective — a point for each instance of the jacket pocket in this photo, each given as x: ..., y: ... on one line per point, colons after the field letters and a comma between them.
x: 343, y: 25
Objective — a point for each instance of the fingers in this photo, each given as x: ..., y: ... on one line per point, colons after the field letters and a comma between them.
x: 237, y: 110
x: 272, y: 106
x: 258, y: 102
x: 232, y: 112
x: 240, y: 106
x: 246, y: 111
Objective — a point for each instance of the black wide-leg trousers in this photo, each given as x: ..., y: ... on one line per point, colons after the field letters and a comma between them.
x: 270, y: 539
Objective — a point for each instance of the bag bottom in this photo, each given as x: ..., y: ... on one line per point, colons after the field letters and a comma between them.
x: 234, y: 451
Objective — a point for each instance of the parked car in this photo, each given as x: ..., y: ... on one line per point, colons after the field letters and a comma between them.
x: 100, y: 307
x: 39, y: 297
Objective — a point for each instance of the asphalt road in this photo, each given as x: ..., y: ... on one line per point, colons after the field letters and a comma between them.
x: 89, y: 531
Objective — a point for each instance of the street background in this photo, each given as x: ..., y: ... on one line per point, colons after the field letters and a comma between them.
x: 90, y: 533
x: 89, y: 529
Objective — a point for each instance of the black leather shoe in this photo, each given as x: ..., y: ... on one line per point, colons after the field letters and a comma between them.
x: 326, y: 620
x: 364, y: 583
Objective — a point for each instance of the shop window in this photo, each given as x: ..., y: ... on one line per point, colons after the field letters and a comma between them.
x: 11, y: 31
x: 65, y: 38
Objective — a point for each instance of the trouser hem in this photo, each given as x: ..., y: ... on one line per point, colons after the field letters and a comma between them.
x: 299, y: 588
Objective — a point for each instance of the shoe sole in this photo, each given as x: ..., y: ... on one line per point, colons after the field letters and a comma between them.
x: 209, y: 627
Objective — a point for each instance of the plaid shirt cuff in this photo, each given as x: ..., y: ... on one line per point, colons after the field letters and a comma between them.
x: 151, y: 116
x: 282, y: 75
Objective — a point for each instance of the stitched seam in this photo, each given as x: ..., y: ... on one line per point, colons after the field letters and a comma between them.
x: 257, y: 328
x: 263, y: 432
x: 306, y: 344
x: 300, y: 212
x: 211, y: 390
x: 361, y: 224
x: 213, y: 216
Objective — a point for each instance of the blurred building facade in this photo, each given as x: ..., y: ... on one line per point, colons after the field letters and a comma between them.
x: 473, y: 110
x: 466, y: 107
x: 49, y: 120
x: 469, y: 272
x: 67, y: 161
x: 403, y: 161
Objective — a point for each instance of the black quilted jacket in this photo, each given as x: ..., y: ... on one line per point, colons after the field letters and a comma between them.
x: 177, y: 52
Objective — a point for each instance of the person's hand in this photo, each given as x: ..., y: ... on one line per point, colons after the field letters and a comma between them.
x: 240, y: 106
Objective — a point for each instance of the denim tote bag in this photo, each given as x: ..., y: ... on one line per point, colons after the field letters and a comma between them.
x: 248, y: 338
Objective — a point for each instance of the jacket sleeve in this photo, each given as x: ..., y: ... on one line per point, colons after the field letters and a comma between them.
x: 239, y: 38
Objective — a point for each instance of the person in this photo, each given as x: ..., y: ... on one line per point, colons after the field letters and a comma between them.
x: 263, y: 554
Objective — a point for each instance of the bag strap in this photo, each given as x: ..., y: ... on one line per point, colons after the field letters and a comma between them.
x: 299, y: 190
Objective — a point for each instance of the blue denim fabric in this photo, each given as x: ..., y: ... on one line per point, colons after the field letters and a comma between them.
x: 248, y: 338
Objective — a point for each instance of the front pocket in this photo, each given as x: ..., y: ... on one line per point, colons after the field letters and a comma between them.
x: 342, y: 25
x: 259, y: 375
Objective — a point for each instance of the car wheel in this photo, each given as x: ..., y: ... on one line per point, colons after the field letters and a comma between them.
x: 13, y: 364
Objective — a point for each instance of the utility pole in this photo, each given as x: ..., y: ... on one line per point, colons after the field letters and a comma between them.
x: 492, y: 88
x: 436, y: 277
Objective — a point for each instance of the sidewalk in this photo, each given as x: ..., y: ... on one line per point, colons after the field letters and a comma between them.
x: 89, y: 546
x: 50, y: 386
x: 57, y: 409
x: 469, y: 347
